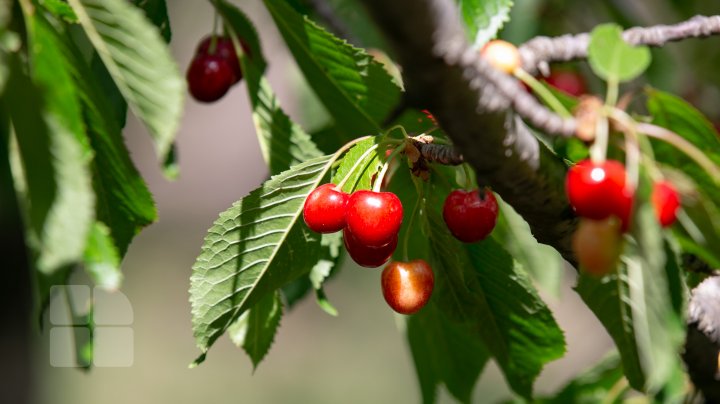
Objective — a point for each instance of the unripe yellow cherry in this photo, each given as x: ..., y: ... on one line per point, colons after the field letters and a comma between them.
x: 502, y: 55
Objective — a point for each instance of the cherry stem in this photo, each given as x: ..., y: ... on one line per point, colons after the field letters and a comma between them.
x: 546, y: 95
x: 355, y: 166
x: 632, y: 157
x: 213, y: 38
x: 409, y: 227
x: 402, y: 129
x: 386, y: 166
x: 611, y: 98
x: 598, y: 150
x: 683, y: 145
x: 469, y: 177
x: 670, y: 137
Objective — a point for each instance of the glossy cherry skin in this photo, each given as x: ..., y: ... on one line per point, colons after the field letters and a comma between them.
x: 407, y: 286
x: 324, y: 209
x: 469, y: 216
x: 209, y: 77
x: 502, y: 55
x: 374, y: 218
x: 369, y: 257
x: 568, y: 82
x: 597, y: 191
x: 224, y: 48
x: 666, y: 202
x: 597, y: 245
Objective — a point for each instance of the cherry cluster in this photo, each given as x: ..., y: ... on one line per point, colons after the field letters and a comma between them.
x: 214, y: 68
x: 599, y: 194
x: 370, y: 222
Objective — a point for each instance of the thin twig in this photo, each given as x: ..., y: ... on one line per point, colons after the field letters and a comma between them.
x: 539, y: 51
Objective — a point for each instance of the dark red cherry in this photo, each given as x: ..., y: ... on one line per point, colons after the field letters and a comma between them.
x: 567, y: 81
x: 324, y: 210
x: 407, y: 286
x: 209, y: 77
x: 374, y: 218
x: 666, y: 202
x: 369, y: 257
x: 225, y: 48
x: 597, y: 191
x: 470, y: 216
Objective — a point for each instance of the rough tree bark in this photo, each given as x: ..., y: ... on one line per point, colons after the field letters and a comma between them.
x: 431, y: 47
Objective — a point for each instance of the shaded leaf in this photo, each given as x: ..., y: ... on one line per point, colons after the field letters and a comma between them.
x: 156, y: 12
x: 355, y: 89
x: 444, y: 352
x: 239, y: 23
x: 139, y: 62
x: 262, y: 324
x: 593, y: 385
x: 60, y: 200
x: 246, y: 252
x: 59, y: 9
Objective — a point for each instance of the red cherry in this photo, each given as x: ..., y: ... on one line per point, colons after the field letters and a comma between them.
x: 597, y: 191
x: 369, y: 257
x: 597, y: 245
x: 324, y: 209
x: 374, y: 218
x: 666, y: 202
x: 225, y: 48
x: 469, y: 216
x: 407, y: 286
x: 209, y: 77
x: 567, y: 81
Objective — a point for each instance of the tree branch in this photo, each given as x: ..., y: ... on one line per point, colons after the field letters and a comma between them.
x: 538, y: 52
x: 470, y: 101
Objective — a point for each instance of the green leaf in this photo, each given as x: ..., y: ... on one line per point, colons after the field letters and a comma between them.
x: 444, y: 352
x: 472, y: 287
x: 612, y: 59
x: 246, y: 253
x: 355, y: 89
x: 102, y: 260
x: 283, y: 143
x: 484, y: 18
x: 593, y: 385
x: 635, y: 305
x: 262, y: 324
x: 521, y: 332
x: 542, y: 262
x: 360, y: 175
x: 54, y: 152
x: 139, y: 62
x: 124, y: 203
x: 609, y: 299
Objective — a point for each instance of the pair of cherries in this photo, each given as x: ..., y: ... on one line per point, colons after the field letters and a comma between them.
x: 598, y: 193
x: 598, y: 190
x: 214, y: 69
x: 370, y: 221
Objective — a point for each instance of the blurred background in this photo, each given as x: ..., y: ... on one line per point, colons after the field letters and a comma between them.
x: 360, y: 356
